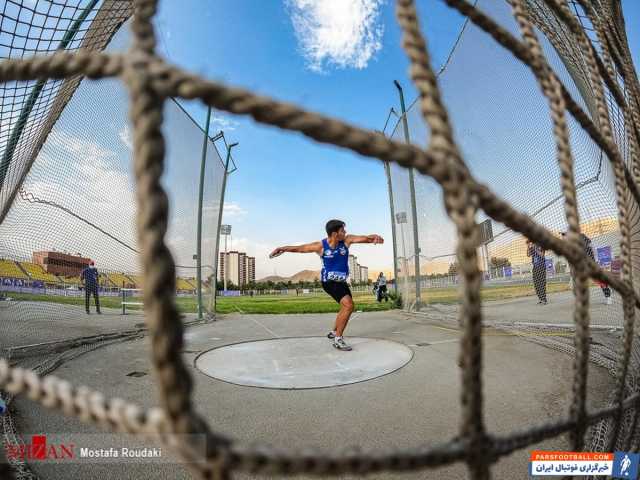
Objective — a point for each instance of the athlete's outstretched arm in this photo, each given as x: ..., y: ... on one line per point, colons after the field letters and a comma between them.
x: 314, y: 247
x: 350, y: 239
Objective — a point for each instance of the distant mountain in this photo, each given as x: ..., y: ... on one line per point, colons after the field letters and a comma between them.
x: 272, y: 278
x: 303, y: 276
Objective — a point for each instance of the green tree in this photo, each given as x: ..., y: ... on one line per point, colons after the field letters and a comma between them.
x: 497, y: 262
x: 453, y: 268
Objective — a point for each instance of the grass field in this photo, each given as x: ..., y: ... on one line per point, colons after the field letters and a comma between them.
x: 318, y: 303
x: 501, y: 292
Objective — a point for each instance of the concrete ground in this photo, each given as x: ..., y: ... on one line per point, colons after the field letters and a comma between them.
x: 526, y: 310
x: 524, y: 385
x: 27, y: 323
x: 559, y: 310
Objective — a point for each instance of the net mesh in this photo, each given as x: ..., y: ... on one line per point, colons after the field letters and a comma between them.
x: 508, y: 140
x: 506, y: 144
x: 67, y: 188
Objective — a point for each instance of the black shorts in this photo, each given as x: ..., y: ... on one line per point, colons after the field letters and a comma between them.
x: 336, y: 290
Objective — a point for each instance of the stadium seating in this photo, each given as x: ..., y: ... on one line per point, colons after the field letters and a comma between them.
x: 36, y: 272
x: 103, y: 280
x: 15, y: 269
x: 182, y: 284
x: 72, y: 280
x: 10, y: 269
x: 137, y: 280
x: 119, y: 279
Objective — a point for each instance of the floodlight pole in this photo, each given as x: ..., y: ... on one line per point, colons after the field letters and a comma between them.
x: 412, y: 187
x: 203, y: 163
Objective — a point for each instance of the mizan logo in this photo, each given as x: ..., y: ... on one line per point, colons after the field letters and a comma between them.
x: 38, y: 449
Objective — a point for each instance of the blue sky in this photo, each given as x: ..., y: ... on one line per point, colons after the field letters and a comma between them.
x: 286, y: 186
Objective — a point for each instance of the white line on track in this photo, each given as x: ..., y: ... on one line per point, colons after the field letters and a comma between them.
x: 267, y: 329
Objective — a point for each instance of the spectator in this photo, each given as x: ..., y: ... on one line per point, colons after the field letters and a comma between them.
x: 588, y: 249
x: 382, y: 288
x: 538, y: 263
x: 89, y: 277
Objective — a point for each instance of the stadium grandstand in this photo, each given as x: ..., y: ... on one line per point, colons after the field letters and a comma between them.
x: 120, y: 280
x: 137, y: 280
x: 36, y: 272
x: 10, y: 269
x: 59, y: 270
x: 183, y: 284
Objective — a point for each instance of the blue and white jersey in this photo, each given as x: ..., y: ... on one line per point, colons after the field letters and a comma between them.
x: 335, y: 262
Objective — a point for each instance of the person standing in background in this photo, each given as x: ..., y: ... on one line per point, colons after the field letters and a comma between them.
x: 382, y: 288
x: 588, y: 249
x: 89, y: 277
x: 538, y: 262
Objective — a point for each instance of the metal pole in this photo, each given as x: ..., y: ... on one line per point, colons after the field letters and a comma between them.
x: 487, y: 264
x: 412, y: 187
x: 220, y: 210
x: 226, y: 263
x: 387, y: 170
x: 404, y: 265
x: 203, y: 163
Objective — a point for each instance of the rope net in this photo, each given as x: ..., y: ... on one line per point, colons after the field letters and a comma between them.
x: 564, y: 159
x: 67, y: 196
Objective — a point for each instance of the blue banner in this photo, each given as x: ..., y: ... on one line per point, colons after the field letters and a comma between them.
x: 231, y: 293
x: 548, y: 263
x: 604, y: 255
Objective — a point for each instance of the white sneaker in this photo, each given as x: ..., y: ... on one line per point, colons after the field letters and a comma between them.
x: 340, y: 344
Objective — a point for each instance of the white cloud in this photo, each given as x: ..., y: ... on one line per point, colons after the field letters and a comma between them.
x: 88, y: 179
x: 340, y: 33
x: 223, y: 123
x: 125, y: 136
x: 233, y: 210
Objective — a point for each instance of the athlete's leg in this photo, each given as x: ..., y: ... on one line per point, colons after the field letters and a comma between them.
x: 96, y: 296
x: 346, y: 309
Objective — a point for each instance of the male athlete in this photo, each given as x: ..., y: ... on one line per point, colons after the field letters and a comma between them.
x: 334, y: 252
